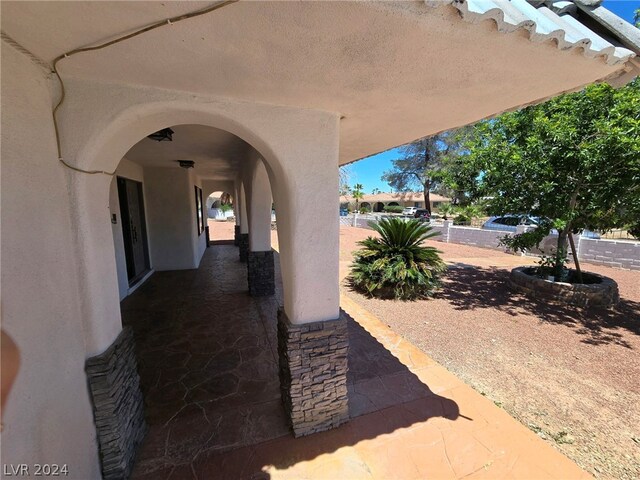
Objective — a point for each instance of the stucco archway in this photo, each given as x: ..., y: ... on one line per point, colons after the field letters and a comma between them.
x: 378, y: 207
x: 104, y: 151
x: 277, y: 134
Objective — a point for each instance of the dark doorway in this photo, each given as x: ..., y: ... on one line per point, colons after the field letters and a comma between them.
x: 134, y: 229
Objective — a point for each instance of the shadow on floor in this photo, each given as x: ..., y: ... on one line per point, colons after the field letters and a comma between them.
x: 207, y: 358
x: 472, y: 288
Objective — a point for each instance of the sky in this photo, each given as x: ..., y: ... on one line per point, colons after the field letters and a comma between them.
x: 368, y: 171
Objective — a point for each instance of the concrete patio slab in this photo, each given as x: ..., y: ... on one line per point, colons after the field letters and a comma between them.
x: 209, y: 374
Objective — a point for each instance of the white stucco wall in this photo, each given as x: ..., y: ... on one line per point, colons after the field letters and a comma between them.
x: 171, y: 218
x: 259, y: 199
x: 132, y: 171
x: 48, y: 416
x: 300, y: 148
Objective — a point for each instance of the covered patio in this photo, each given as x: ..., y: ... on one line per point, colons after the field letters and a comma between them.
x: 208, y: 364
x: 267, y: 100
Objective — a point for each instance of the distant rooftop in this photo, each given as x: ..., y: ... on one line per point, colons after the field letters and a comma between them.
x: 396, y: 197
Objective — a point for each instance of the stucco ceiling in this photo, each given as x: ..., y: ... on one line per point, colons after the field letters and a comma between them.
x: 395, y: 71
x: 217, y: 154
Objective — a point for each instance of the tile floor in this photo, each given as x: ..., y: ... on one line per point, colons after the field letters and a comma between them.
x: 207, y: 356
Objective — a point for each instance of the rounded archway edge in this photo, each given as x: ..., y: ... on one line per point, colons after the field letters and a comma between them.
x: 108, y: 144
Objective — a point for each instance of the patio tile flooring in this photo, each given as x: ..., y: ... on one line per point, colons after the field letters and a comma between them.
x: 207, y: 356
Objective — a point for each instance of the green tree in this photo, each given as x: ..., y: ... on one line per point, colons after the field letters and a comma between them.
x: 636, y: 18
x: 344, y: 176
x: 422, y: 163
x: 357, y: 192
x: 465, y: 215
x: 454, y: 178
x: 574, y: 161
x: 446, y: 209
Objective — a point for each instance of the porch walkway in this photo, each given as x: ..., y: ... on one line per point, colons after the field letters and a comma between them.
x: 207, y: 354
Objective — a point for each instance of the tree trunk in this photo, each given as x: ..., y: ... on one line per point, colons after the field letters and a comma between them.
x: 427, y: 197
x: 561, y: 253
x: 575, y: 258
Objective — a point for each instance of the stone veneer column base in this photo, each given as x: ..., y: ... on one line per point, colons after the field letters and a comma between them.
x: 313, y: 373
x: 118, y: 406
x: 236, y: 235
x: 243, y: 243
x: 261, y: 274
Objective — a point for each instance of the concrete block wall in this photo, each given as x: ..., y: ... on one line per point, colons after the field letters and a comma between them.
x: 442, y: 230
x: 613, y: 253
x: 476, y: 237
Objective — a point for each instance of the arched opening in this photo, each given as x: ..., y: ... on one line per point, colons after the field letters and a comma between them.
x: 393, y: 204
x: 221, y: 217
x: 222, y: 202
x: 366, y: 206
x: 309, y: 290
x: 203, y: 346
x: 378, y: 207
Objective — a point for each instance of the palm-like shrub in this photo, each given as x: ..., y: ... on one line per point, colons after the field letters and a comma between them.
x: 397, y: 265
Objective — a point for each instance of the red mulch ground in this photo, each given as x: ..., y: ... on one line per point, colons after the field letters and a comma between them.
x: 570, y: 374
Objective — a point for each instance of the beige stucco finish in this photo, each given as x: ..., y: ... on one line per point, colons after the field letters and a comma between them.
x: 41, y: 291
x: 395, y: 71
x: 259, y: 205
x: 307, y: 85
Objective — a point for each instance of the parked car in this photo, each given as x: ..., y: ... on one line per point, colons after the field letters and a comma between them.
x: 409, y: 211
x: 422, y: 215
x: 344, y: 212
x: 508, y: 223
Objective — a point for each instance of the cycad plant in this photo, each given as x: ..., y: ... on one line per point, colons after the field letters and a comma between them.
x: 397, y: 265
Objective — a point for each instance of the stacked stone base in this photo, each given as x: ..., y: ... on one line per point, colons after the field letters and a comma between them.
x: 261, y: 274
x: 243, y: 244
x: 236, y: 235
x: 313, y: 373
x: 118, y: 406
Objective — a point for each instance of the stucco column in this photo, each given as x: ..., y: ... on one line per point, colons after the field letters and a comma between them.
x: 312, y: 334
x: 98, y: 278
x: 243, y: 238
x: 260, y: 266
x: 236, y: 214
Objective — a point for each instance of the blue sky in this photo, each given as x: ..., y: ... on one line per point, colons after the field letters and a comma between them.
x: 368, y: 171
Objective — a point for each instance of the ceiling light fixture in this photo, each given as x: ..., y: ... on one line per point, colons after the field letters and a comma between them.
x: 186, y: 163
x: 166, y: 134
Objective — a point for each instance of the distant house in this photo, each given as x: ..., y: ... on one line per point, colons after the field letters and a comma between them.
x: 377, y: 202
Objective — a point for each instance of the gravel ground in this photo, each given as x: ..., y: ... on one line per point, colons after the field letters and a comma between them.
x: 571, y: 375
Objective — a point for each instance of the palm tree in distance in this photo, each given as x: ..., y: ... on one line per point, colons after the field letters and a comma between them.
x: 357, y: 192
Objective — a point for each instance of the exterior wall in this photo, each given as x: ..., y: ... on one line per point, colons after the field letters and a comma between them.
x: 48, y: 417
x: 171, y: 218
x: 443, y: 230
x: 613, y: 253
x: 476, y: 237
x: 610, y: 252
x: 299, y: 147
x: 132, y: 171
